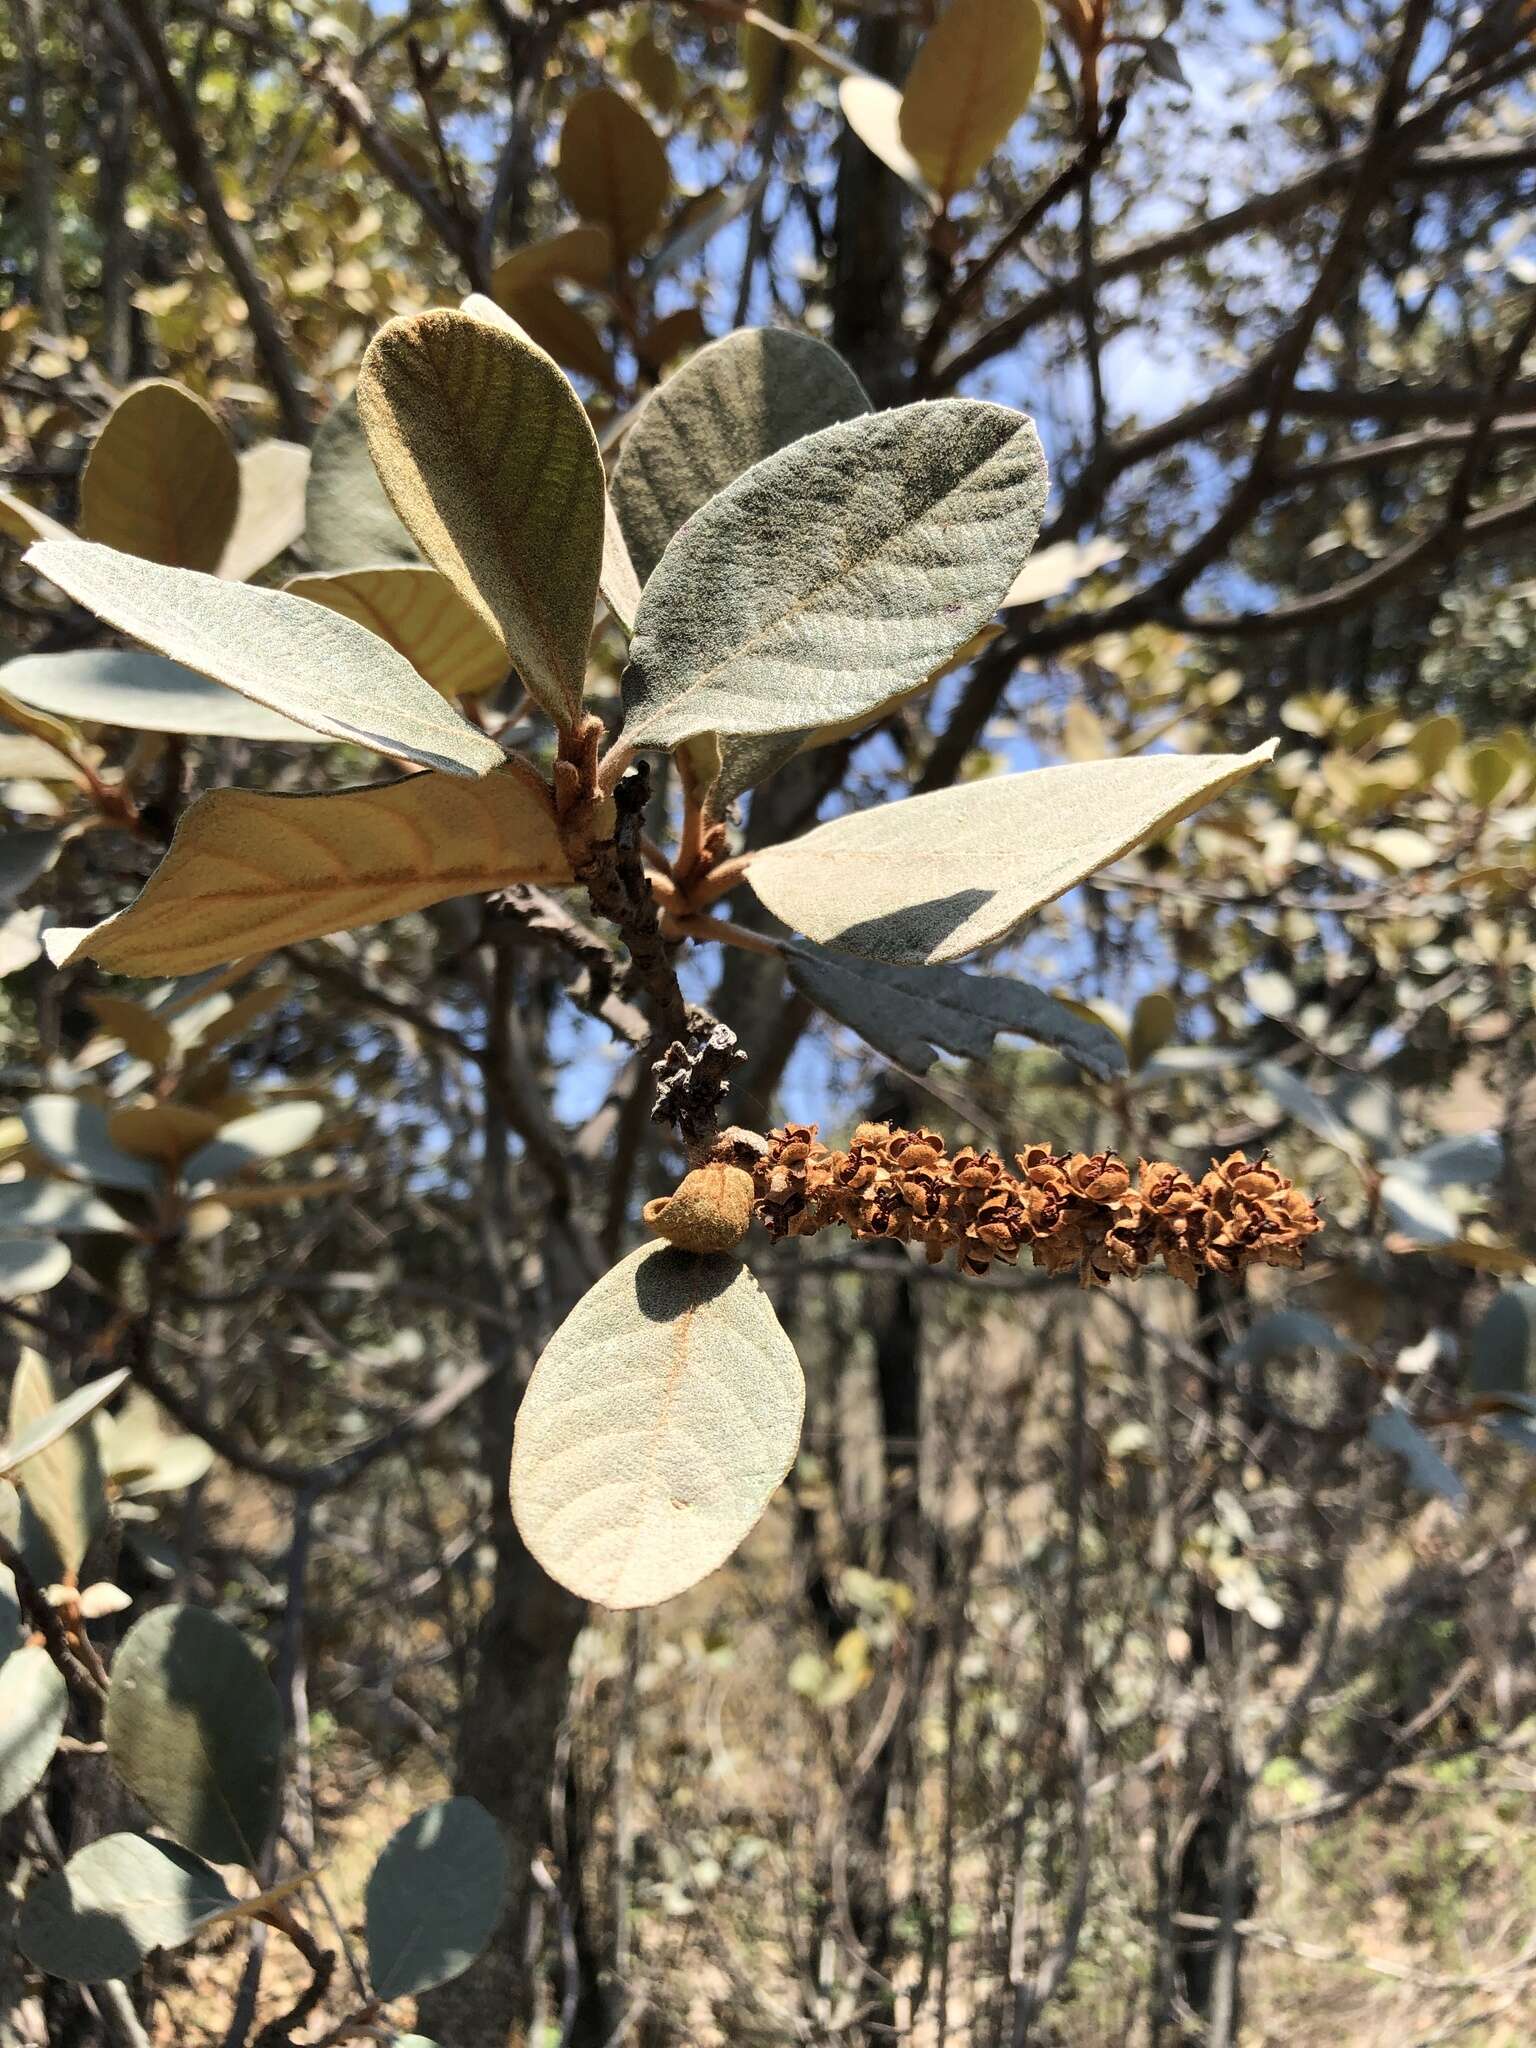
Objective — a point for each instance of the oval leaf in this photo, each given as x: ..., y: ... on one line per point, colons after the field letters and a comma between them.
x: 308, y: 663
x: 663, y: 1414
x: 56, y: 1205
x: 34, y: 1702
x: 584, y: 255
x: 144, y: 693
x: 349, y: 522
x: 247, y: 872
x: 491, y: 461
x: 252, y: 1140
x: 421, y: 616
x: 836, y: 574
x: 1503, y: 1350
x: 72, y: 1133
x: 935, y: 877
x: 120, y: 1897
x: 162, y: 480
x: 274, y: 478
x: 434, y: 1898
x: 194, y: 1727
x: 612, y: 168
x: 736, y: 402
x: 31, y: 1265
x: 972, y: 79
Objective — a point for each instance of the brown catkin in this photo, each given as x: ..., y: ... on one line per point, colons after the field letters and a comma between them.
x: 1077, y: 1212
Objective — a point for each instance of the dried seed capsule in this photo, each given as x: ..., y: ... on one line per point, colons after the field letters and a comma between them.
x: 710, y: 1211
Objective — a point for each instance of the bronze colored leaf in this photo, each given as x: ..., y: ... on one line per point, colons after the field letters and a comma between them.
x: 248, y: 872
x: 162, y: 480
x: 972, y: 80
x: 612, y: 168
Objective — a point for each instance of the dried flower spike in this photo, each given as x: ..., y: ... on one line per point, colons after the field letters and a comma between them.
x: 1079, y: 1212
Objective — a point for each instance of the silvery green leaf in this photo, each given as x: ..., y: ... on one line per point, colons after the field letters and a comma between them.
x: 265, y: 1134
x: 1417, y: 1211
x: 1465, y: 1162
x: 27, y: 852
x: 296, y: 658
x: 1503, y: 1346
x: 57, y: 1205
x: 34, y: 1702
x: 31, y: 1265
x: 735, y: 402
x: 1281, y: 1331
x: 1308, y: 1109
x: 910, y: 1013
x: 123, y: 686
x: 835, y: 574
x: 71, y: 1133
x: 434, y: 1898
x: 349, y: 522
x: 113, y: 1902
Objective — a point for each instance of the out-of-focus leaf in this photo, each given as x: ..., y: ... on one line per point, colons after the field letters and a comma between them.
x: 936, y: 877
x: 24, y: 524
x: 1153, y: 1023
x: 561, y: 329
x: 660, y: 1419
x: 972, y: 79
x: 57, y: 1205
x: 162, y: 481
x: 194, y: 1727
x: 907, y: 1013
x: 165, y: 1132
x: 31, y: 1265
x: 145, y: 693
x: 835, y: 573
x: 1418, y: 1211
x: 1052, y: 571
x: 1392, y: 1429
x: 1281, y: 1331
x: 612, y: 167
x: 72, y: 1133
x: 140, y: 1030
x: 872, y: 109
x: 434, y: 1898
x: 1503, y: 1347
x: 26, y: 855
x: 63, y: 1498
x: 21, y: 938
x: 349, y: 522
x: 247, y: 872
x: 583, y: 254
x: 296, y: 658
x: 1309, y: 1110
x: 736, y: 402
x: 491, y: 461
x: 142, y: 1456
x: 34, y: 1702
x: 1466, y: 1162
x: 252, y: 1140
x: 421, y: 616
x: 113, y: 1902
x: 274, y: 477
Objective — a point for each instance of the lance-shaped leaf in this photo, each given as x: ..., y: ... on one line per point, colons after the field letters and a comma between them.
x: 194, y: 1727
x: 872, y: 109
x: 935, y: 877
x: 490, y: 459
x: 162, y: 480
x: 57, y: 1205
x: 1469, y: 1161
x: 64, y: 1501
x: 835, y: 574
x: 270, y: 1133
x: 113, y: 1902
x: 1503, y: 1349
x: 421, y: 616
x: 663, y: 1414
x: 247, y: 872
x: 308, y: 663
x: 44, y: 1429
x: 144, y: 693
x: 349, y: 522
x: 434, y: 1898
x: 72, y: 1134
x: 34, y: 1701
x: 736, y: 402
x: 972, y: 79
x: 911, y: 1013
x: 31, y: 1265
x: 22, y: 522
x: 612, y: 168
x: 274, y: 477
